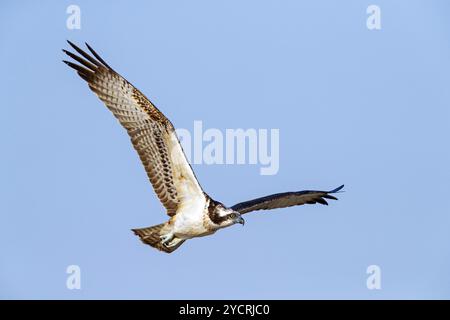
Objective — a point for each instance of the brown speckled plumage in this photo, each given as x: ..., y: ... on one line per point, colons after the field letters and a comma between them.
x: 150, y: 131
x: 192, y: 212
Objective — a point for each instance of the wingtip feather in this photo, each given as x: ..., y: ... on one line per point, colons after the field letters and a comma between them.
x: 337, y: 189
x: 73, y: 45
x: 96, y: 55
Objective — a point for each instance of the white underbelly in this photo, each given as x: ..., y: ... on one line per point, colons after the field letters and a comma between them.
x: 189, y: 220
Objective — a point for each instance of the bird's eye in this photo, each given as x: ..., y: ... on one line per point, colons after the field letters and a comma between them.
x: 233, y: 215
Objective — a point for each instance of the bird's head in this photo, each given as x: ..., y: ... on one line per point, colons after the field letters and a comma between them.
x: 225, y: 217
x: 235, y: 217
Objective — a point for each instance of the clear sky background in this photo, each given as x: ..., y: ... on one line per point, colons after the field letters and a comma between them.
x: 366, y: 108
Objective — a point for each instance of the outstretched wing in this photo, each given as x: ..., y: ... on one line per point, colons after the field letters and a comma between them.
x: 287, y: 199
x: 152, y: 134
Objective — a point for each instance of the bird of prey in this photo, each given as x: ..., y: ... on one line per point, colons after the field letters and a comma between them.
x: 192, y: 212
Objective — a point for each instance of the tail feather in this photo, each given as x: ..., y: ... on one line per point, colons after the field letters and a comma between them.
x: 151, y: 236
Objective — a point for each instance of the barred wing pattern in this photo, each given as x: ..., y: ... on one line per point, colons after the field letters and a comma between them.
x: 286, y: 199
x: 152, y: 134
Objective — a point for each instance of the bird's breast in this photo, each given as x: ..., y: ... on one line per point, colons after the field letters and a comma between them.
x: 189, y: 222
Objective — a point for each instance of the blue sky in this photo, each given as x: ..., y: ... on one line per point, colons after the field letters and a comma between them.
x: 366, y: 108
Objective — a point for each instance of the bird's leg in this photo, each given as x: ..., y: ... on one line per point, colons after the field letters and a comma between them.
x: 166, y: 238
x: 173, y: 243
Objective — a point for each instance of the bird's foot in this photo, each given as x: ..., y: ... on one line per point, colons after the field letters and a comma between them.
x: 174, y: 242
x: 166, y: 238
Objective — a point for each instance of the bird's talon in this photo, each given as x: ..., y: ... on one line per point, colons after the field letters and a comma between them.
x: 165, y: 239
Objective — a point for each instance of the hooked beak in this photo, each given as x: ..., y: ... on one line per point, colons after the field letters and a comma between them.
x: 240, y: 220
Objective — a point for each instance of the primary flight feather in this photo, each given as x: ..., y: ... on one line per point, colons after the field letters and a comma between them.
x: 192, y: 212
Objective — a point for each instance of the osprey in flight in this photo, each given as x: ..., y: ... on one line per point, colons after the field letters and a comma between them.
x: 192, y: 212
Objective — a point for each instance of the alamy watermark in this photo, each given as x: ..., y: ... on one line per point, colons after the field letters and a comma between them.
x: 234, y: 146
x: 373, y: 21
x: 373, y: 281
x: 74, y: 279
x: 74, y: 19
